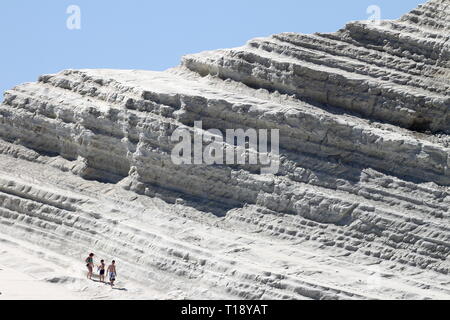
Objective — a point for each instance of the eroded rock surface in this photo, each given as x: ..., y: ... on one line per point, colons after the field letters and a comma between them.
x: 362, y: 195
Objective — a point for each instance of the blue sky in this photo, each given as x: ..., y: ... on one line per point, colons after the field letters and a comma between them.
x: 153, y: 35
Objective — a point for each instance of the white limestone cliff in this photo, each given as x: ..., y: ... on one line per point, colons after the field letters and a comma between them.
x: 364, y: 176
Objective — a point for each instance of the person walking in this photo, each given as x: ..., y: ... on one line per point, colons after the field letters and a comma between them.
x: 101, y: 269
x: 90, y: 265
x: 112, y: 273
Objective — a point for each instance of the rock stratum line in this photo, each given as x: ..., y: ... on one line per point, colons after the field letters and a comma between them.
x: 364, y: 176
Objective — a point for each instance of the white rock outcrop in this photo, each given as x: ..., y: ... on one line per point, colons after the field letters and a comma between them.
x: 364, y: 120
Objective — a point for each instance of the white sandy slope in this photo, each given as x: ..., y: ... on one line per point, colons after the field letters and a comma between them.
x: 17, y: 285
x: 46, y: 276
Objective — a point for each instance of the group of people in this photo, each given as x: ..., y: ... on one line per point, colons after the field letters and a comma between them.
x: 101, y: 268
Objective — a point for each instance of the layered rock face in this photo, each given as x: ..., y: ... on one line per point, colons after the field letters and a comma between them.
x: 363, y: 178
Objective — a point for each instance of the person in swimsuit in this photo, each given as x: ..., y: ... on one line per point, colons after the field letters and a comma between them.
x: 101, y: 269
x: 90, y: 265
x: 112, y: 273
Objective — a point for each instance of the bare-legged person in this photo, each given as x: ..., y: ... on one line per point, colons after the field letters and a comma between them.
x: 90, y: 265
x: 112, y: 273
x: 101, y: 269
